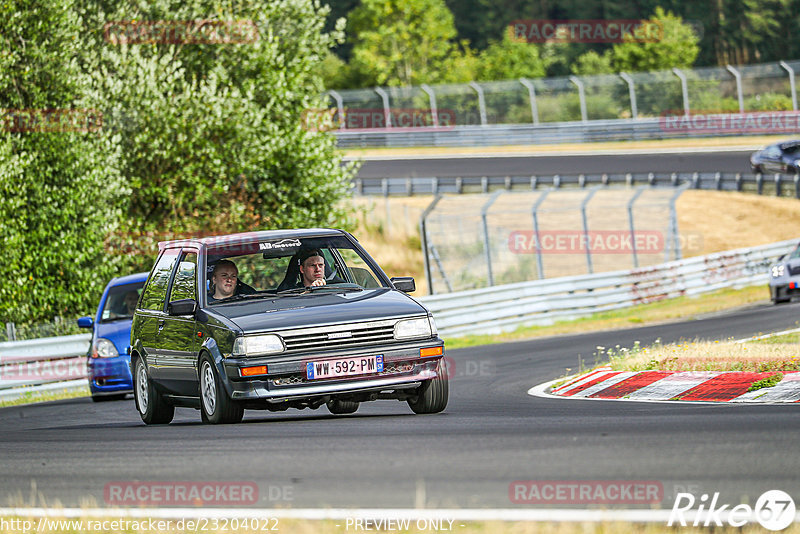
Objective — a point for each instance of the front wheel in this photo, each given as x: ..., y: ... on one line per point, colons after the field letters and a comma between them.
x: 152, y: 407
x: 215, y: 405
x: 432, y: 396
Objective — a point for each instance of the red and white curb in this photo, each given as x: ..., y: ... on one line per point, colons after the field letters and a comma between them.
x: 692, y: 386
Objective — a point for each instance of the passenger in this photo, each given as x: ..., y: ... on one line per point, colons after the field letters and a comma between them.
x: 128, y: 305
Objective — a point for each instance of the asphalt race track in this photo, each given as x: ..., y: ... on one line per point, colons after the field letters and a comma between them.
x: 411, y: 167
x: 491, y: 434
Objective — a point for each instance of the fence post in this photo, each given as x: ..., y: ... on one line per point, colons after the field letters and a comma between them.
x: 387, y: 113
x: 582, y: 96
x: 11, y: 331
x: 684, y: 89
x: 432, y: 99
x: 339, y: 104
x: 486, y: 244
x: 532, y: 98
x: 587, y: 241
x: 423, y: 234
x: 738, y: 76
x: 673, y: 218
x: 535, y: 213
x: 632, y: 93
x: 790, y: 70
x: 632, y: 227
x: 481, y: 102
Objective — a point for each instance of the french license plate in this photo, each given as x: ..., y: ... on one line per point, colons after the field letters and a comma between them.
x: 361, y: 365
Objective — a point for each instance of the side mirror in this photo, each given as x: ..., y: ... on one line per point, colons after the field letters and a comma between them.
x: 182, y: 307
x: 85, y: 322
x: 404, y: 283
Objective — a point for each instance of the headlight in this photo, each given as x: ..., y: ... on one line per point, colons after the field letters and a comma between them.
x: 257, y: 345
x: 412, y: 328
x: 777, y: 271
x: 103, y: 348
x: 434, y: 330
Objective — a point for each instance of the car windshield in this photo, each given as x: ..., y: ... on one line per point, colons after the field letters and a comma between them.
x: 285, y: 267
x: 121, y: 302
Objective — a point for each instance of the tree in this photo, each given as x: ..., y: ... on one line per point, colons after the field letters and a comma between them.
x: 403, y: 42
x: 592, y: 63
x: 57, y: 184
x: 510, y: 59
x: 213, y: 140
x: 676, y: 47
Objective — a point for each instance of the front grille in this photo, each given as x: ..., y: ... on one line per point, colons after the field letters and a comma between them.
x: 300, y: 378
x: 333, y: 337
x: 794, y: 270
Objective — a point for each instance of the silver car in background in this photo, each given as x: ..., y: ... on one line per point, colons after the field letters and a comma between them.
x: 784, y: 279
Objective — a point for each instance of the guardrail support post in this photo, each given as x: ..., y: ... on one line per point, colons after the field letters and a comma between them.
x: 759, y: 183
x: 790, y: 70
x: 339, y: 104
x: 632, y: 93
x: 423, y: 234
x: 738, y: 76
x: 582, y: 96
x: 684, y: 89
x: 481, y: 101
x: 673, y: 223
x: 534, y: 182
x: 432, y: 99
x: 586, y: 239
x: 632, y: 227
x: 738, y: 181
x: 486, y: 243
x: 778, y: 184
x: 387, y: 112
x: 532, y: 97
x: 796, y: 186
x: 535, y: 213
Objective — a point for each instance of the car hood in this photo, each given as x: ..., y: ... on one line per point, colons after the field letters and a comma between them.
x: 118, y: 332
x: 318, y: 309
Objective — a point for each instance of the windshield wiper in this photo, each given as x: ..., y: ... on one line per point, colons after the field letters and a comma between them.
x: 334, y: 288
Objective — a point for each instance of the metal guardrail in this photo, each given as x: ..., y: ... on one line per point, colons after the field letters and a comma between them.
x: 45, y: 364
x: 59, y: 363
x: 769, y: 184
x: 504, y: 308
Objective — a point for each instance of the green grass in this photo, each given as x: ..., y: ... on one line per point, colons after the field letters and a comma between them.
x: 770, y: 381
x: 785, y: 338
x: 31, y: 397
x: 656, y: 312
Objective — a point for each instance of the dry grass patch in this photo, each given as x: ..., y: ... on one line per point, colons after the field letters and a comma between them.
x: 730, y: 220
x: 705, y: 356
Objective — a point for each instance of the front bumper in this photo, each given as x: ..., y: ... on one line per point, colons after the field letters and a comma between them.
x: 403, y: 369
x: 784, y: 288
x: 108, y: 376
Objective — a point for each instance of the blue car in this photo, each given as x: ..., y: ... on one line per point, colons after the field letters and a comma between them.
x: 109, y: 361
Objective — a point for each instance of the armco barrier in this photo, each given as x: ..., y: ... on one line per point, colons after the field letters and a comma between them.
x: 489, y: 310
x: 503, y: 308
x: 762, y: 184
x: 45, y: 364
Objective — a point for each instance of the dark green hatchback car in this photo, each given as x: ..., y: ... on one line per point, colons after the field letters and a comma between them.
x: 276, y: 320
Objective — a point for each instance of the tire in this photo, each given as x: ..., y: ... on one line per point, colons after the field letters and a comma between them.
x: 757, y: 169
x: 104, y: 398
x: 432, y: 396
x: 341, y: 407
x: 151, y: 405
x: 780, y: 301
x: 215, y: 405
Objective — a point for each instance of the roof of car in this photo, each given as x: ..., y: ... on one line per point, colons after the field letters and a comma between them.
x: 253, y: 237
x: 128, y: 279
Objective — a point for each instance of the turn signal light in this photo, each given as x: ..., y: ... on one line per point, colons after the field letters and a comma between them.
x: 252, y: 371
x: 430, y: 351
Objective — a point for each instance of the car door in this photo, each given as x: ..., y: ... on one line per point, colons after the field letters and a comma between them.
x: 179, y: 343
x: 151, y: 313
x: 772, y: 159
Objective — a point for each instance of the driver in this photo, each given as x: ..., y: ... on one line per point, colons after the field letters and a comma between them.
x: 224, y: 281
x: 312, y: 268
